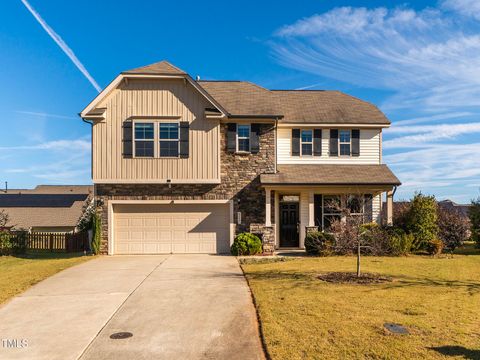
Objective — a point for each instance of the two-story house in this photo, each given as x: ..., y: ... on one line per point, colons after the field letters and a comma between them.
x: 182, y: 165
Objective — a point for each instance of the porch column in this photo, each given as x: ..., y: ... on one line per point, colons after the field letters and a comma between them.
x: 311, y: 209
x: 268, y: 207
x: 390, y: 207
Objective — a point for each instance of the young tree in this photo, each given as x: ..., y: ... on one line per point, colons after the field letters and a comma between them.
x: 4, y: 219
x: 474, y: 215
x: 422, y: 220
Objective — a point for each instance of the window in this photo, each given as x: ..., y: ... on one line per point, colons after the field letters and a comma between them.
x: 331, y: 210
x: 306, y: 138
x: 243, y: 138
x: 344, y: 143
x: 144, y: 139
x: 168, y: 135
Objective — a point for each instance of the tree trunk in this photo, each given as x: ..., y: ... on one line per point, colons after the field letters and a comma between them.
x: 358, y: 259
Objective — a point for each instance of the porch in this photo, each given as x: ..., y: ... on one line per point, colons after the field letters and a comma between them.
x: 299, y: 198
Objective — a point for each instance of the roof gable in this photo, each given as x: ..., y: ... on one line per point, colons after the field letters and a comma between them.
x: 159, y: 68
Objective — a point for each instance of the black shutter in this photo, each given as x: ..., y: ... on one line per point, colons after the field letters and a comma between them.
x: 295, y: 142
x: 231, y: 137
x: 317, y: 142
x: 127, y: 148
x: 333, y: 142
x: 355, y: 142
x: 254, y: 138
x: 318, y: 210
x: 368, y: 200
x: 184, y: 138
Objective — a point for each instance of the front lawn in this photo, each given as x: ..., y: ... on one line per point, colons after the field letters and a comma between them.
x: 18, y: 273
x: 302, y: 317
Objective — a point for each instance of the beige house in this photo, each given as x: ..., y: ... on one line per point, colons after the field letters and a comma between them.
x: 182, y: 165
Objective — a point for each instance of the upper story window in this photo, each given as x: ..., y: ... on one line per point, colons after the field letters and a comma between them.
x: 344, y: 142
x: 144, y: 139
x: 306, y: 139
x: 243, y: 138
x: 168, y: 135
x: 156, y: 139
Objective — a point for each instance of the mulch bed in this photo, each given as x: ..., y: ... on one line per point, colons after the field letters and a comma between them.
x: 351, y: 278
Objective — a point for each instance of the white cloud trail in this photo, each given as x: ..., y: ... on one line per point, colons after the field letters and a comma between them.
x: 62, y: 44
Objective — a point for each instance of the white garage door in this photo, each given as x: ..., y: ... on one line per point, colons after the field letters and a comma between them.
x: 172, y: 228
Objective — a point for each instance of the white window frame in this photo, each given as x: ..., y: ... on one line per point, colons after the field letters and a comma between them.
x: 156, y: 138
x: 243, y: 137
x: 306, y: 142
x: 134, y: 139
x: 177, y: 139
x: 340, y: 143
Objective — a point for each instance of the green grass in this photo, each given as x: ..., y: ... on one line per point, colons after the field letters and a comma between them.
x: 18, y: 273
x: 437, y: 299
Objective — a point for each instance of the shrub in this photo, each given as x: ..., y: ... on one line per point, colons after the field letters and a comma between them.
x: 453, y: 228
x: 246, y: 244
x: 421, y: 220
x: 474, y: 215
x: 319, y: 243
x: 400, y: 242
x: 434, y: 247
x: 12, y: 243
x: 97, y: 234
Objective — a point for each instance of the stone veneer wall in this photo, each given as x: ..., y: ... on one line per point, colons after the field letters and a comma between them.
x: 240, y: 181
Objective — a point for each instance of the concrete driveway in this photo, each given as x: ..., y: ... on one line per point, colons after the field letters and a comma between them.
x: 176, y: 307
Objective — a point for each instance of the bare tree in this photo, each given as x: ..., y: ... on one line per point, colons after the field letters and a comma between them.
x: 353, y: 211
x: 4, y: 219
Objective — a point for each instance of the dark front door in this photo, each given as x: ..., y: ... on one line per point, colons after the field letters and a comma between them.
x: 289, y: 224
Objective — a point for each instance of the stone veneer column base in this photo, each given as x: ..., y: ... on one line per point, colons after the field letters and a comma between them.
x: 267, y: 234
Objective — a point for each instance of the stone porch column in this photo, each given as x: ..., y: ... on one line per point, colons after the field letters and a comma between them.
x: 390, y: 207
x: 268, y: 207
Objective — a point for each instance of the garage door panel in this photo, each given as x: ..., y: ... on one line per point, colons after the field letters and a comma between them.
x: 172, y: 228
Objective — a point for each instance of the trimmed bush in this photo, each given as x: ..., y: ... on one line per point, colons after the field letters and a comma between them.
x: 97, y: 234
x: 434, y: 247
x: 319, y: 243
x: 13, y: 243
x: 246, y: 244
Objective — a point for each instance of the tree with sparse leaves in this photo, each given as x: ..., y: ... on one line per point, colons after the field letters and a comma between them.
x: 453, y: 227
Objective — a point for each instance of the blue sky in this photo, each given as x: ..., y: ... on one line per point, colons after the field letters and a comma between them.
x: 418, y: 61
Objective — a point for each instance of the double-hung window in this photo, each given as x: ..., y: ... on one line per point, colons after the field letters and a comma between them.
x: 345, y: 142
x: 243, y: 138
x: 332, y: 211
x: 306, y: 139
x: 144, y: 139
x: 168, y: 137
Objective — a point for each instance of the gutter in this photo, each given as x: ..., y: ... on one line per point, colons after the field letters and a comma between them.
x: 91, y: 155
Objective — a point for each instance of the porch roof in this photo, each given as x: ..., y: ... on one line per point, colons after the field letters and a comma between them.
x: 331, y: 174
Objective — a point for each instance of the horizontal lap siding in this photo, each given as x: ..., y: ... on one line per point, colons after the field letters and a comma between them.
x: 369, y: 149
x: 152, y: 98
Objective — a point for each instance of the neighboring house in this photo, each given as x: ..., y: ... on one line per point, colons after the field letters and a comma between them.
x: 462, y: 209
x: 181, y: 166
x: 47, y: 208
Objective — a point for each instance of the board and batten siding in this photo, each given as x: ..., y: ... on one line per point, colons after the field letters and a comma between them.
x: 160, y: 98
x: 369, y: 149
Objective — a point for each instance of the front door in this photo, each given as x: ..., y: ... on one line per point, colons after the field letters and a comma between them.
x: 289, y: 224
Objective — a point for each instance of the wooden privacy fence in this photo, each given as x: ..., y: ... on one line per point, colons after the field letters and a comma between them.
x: 53, y: 241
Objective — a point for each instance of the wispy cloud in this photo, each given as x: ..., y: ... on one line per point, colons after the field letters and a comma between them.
x: 432, y: 118
x: 44, y: 115
x: 62, y: 44
x: 469, y: 8
x: 59, y: 145
x: 425, y: 57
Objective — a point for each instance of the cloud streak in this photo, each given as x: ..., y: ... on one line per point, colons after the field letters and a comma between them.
x: 44, y: 115
x: 62, y: 44
x: 59, y: 145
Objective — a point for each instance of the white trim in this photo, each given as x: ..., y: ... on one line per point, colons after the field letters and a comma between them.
x: 134, y: 140
x: 306, y: 143
x: 345, y: 143
x: 111, y: 214
x: 156, y: 181
x: 268, y: 207
x: 115, y: 82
